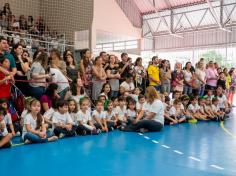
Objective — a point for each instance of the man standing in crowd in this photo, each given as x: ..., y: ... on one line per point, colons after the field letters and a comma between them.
x: 124, y: 66
x: 105, y: 61
x: 4, y: 49
x: 153, y: 74
x: 211, y: 76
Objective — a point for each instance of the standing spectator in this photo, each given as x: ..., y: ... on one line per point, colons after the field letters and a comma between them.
x: 113, y: 74
x: 124, y: 65
x: 153, y: 74
x: 71, y: 68
x: 3, y: 22
x: 105, y: 59
x: 188, y: 75
x: 38, y: 75
x: 22, y: 68
x: 140, y: 74
x: 211, y: 76
x: 56, y: 61
x: 86, y: 69
x: 7, y: 10
x: 99, y: 78
x: 4, y: 49
x: 201, y: 77
x: 165, y: 76
x: 178, y: 78
x: 30, y: 23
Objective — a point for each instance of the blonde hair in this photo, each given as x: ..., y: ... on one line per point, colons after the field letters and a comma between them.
x: 152, y: 94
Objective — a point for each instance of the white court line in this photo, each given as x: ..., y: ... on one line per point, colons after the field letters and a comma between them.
x: 193, y: 158
x: 217, y: 167
x: 140, y: 134
x: 179, y: 152
x: 146, y: 137
x: 165, y: 146
x: 154, y: 141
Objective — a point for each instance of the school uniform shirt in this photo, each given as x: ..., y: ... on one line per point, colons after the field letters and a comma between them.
x: 61, y: 119
x: 58, y: 76
x: 215, y: 108
x: 193, y: 108
x: 24, y: 113
x: 49, y: 113
x: 101, y: 115
x: 7, y: 119
x: 156, y: 107
x: 3, y: 132
x: 111, y: 115
x: 131, y: 114
x: 139, y: 106
x: 173, y: 111
x: 222, y: 101
x: 121, y: 112
x: 207, y: 107
x: 74, y: 118
x: 127, y: 86
x: 84, y: 117
x: 29, y: 120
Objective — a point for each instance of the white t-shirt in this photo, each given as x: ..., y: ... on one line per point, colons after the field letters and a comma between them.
x: 29, y: 120
x: 121, y: 112
x: 111, y: 115
x: 222, y: 101
x: 101, y: 115
x: 215, y: 108
x: 157, y: 108
x: 207, y: 107
x: 24, y: 113
x: 59, y: 77
x: 128, y: 87
x: 193, y: 108
x: 200, y: 74
x: 3, y: 132
x: 61, y: 119
x: 139, y: 106
x: 187, y: 75
x: 49, y: 113
x: 7, y: 119
x: 77, y: 99
x: 131, y: 114
x: 74, y: 118
x: 84, y: 117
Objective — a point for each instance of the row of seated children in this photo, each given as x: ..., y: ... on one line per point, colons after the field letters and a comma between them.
x: 64, y: 119
x: 183, y: 108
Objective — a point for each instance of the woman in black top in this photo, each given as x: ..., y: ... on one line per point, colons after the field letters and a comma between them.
x: 71, y: 68
x: 22, y: 68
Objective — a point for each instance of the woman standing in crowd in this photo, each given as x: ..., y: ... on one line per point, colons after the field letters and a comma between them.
x: 188, y: 81
x: 178, y: 78
x: 99, y: 78
x: 113, y: 75
x: 71, y: 67
x: 56, y: 61
x: 22, y: 68
x: 38, y: 75
x: 139, y: 74
x: 86, y: 69
x: 201, y: 77
x: 165, y: 76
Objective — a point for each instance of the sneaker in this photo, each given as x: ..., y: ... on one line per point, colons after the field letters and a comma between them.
x: 143, y: 130
x: 61, y: 135
x: 84, y: 132
x: 192, y: 121
x: 18, y: 133
x: 112, y: 128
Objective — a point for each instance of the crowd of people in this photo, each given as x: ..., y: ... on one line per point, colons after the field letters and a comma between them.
x: 28, y: 31
x: 63, y: 98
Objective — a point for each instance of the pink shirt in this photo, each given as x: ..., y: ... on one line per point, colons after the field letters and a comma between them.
x: 211, y: 73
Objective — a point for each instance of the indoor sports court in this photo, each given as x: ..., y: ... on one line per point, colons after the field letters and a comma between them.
x: 118, y: 87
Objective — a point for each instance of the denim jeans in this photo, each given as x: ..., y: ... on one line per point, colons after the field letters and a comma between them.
x: 114, y: 93
x: 63, y: 93
x: 201, y: 90
x: 187, y: 89
x: 37, y: 92
x: 35, y: 138
x: 158, y: 88
x: 165, y: 88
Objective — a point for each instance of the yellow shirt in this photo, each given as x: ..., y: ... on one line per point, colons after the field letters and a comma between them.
x: 228, y: 81
x: 153, y: 71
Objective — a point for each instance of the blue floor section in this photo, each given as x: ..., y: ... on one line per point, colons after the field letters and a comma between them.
x: 202, y: 149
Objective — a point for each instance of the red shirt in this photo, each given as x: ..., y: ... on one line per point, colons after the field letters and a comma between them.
x: 5, y: 88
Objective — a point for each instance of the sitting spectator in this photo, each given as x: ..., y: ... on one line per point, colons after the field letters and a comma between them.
x: 128, y: 84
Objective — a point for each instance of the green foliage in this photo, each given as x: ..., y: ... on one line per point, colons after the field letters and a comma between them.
x: 215, y: 57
